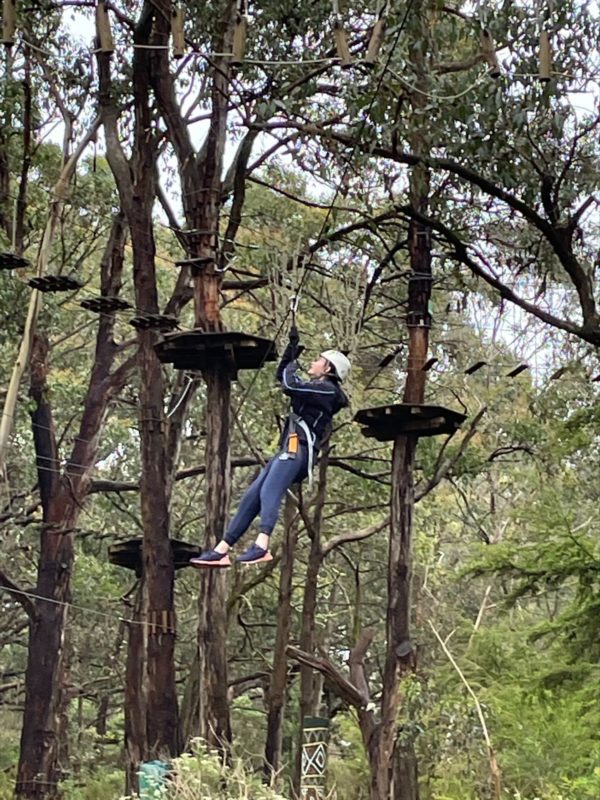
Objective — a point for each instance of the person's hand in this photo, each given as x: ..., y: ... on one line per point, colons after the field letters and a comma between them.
x: 294, y: 336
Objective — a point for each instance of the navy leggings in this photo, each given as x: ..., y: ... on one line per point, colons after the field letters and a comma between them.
x: 265, y: 493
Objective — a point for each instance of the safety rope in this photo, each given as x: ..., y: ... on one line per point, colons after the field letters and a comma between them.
x: 339, y: 185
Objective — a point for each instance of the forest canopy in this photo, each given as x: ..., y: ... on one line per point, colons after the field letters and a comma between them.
x: 414, y: 184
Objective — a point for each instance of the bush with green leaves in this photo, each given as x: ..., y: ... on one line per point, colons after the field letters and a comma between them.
x: 200, y: 775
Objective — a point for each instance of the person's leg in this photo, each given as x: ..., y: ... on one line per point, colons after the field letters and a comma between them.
x: 247, y: 510
x: 281, y: 476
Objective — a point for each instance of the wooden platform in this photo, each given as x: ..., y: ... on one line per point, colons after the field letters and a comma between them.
x: 197, y: 350
x: 105, y: 304
x: 12, y: 261
x: 128, y: 554
x: 55, y: 283
x: 385, y: 423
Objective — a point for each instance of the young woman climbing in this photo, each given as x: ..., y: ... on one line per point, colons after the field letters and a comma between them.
x: 313, y: 405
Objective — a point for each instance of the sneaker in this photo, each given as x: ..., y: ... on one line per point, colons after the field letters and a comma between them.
x: 254, y: 555
x: 211, y: 558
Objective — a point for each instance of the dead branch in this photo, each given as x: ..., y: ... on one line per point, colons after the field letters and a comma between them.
x: 343, y: 687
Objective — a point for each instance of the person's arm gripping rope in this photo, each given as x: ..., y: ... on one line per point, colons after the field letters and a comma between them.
x: 291, y: 383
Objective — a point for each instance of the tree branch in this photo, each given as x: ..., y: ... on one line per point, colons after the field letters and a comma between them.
x: 446, y: 67
x: 98, y: 486
x: 494, y: 770
x: 356, y: 661
x: 346, y: 690
x: 18, y: 595
x: 356, y: 536
x: 555, y: 235
x: 587, y: 333
x: 443, y: 468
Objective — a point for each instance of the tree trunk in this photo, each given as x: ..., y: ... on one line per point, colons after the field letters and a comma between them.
x: 276, y: 694
x: 135, y: 696
x: 310, y: 681
x: 400, y: 655
x: 308, y: 678
x: 62, y: 499
x: 405, y: 775
x: 163, y: 738
x: 190, y: 702
x: 136, y: 184
x: 201, y: 176
x: 215, y: 726
x: 38, y: 773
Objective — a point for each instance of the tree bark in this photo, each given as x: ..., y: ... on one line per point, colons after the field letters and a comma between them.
x: 201, y: 184
x: 135, y: 695
x: 276, y: 693
x: 136, y: 184
x: 62, y: 499
x: 38, y: 773
x: 400, y: 652
x: 405, y: 775
x: 215, y: 726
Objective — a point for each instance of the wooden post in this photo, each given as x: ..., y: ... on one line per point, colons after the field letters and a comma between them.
x: 105, y: 40
x: 177, y: 20
x: 9, y: 22
x: 489, y: 53
x: 341, y: 44
x: 545, y: 72
x: 400, y: 657
x: 375, y: 43
x: 240, y: 33
x: 315, y: 736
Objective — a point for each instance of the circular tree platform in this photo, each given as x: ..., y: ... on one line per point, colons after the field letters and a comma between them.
x: 128, y: 554
x: 197, y: 350
x: 385, y: 423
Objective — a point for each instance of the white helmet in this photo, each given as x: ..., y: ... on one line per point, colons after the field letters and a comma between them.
x: 339, y: 361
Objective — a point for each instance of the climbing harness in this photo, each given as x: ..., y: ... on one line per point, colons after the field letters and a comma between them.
x: 295, y: 421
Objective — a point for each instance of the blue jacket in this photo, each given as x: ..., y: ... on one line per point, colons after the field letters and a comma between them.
x: 316, y: 401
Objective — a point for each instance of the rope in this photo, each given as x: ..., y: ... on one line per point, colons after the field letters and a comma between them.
x: 65, y: 604
x: 190, y: 380
x: 339, y: 185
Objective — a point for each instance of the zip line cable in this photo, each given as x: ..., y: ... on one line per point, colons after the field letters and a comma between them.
x: 487, y: 367
x: 175, y: 262
x: 304, y: 273
x: 76, y: 607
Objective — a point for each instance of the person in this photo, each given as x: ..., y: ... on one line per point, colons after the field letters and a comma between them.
x: 314, y: 403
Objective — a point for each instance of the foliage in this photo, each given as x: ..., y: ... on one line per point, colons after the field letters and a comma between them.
x: 347, y: 768
x: 506, y: 549
x: 201, y: 776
